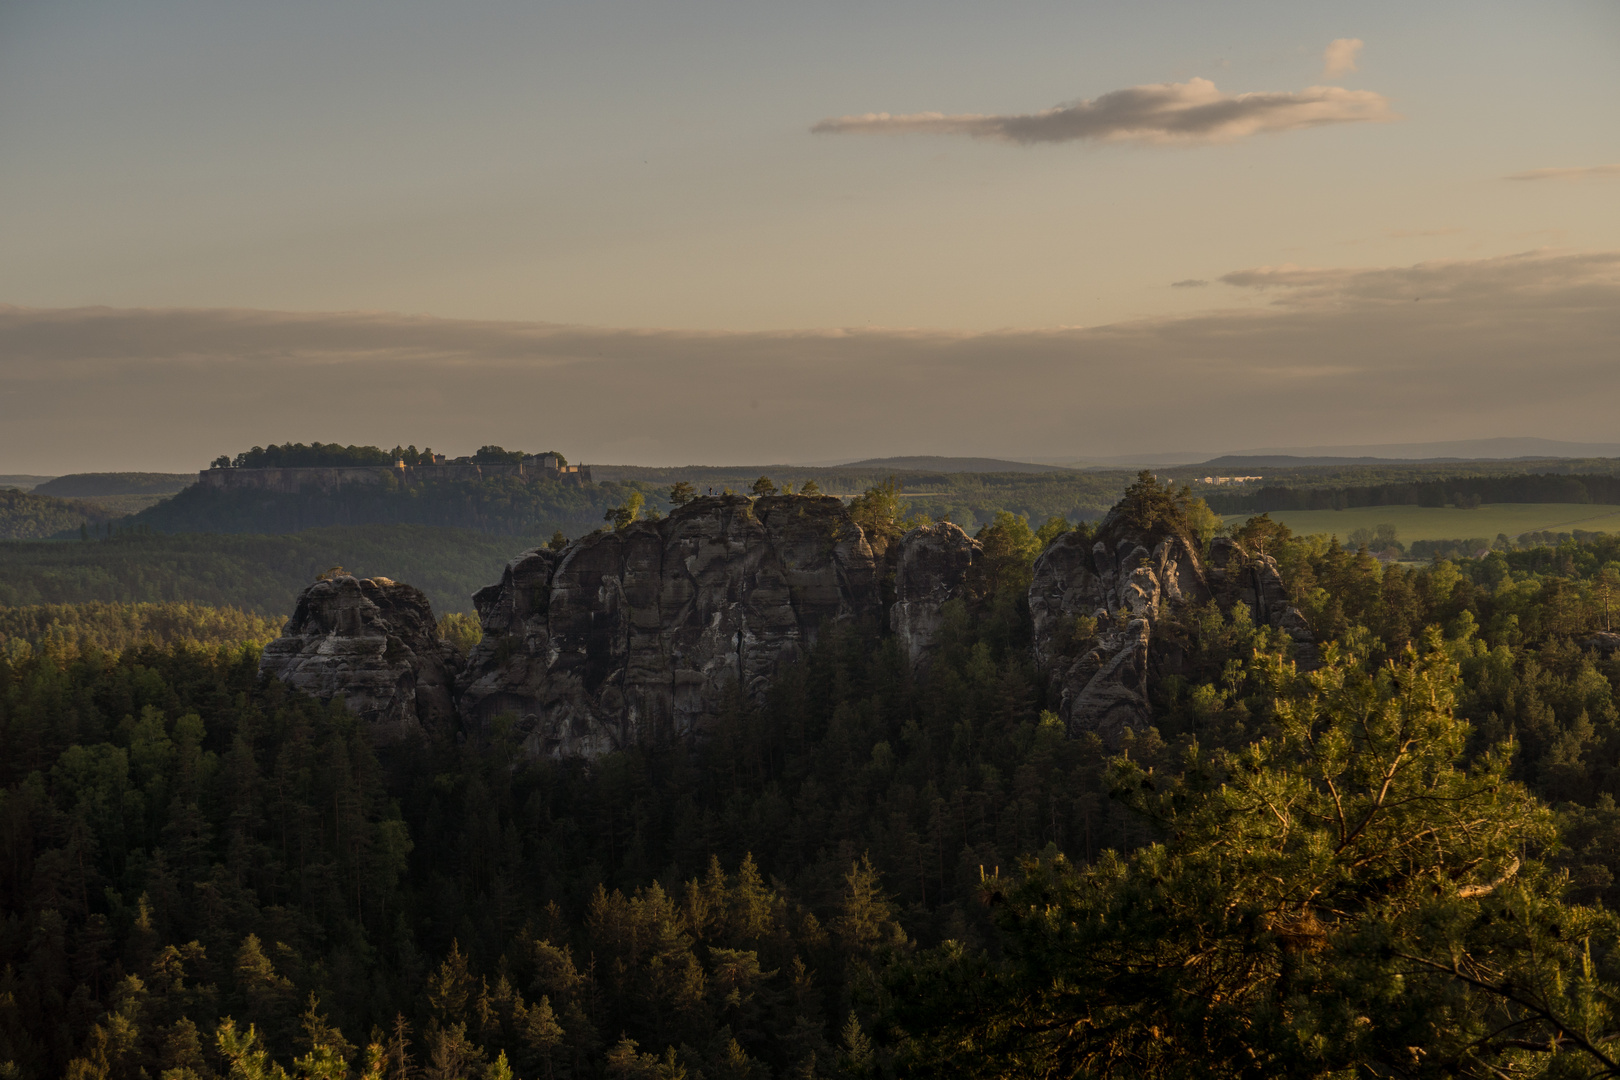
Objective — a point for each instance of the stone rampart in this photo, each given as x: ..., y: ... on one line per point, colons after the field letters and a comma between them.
x: 335, y: 478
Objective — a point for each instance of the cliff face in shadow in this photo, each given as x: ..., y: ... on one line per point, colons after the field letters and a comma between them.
x: 375, y: 642
x: 638, y: 635
x: 1106, y: 608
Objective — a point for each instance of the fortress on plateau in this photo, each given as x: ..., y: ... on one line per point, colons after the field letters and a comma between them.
x: 290, y: 480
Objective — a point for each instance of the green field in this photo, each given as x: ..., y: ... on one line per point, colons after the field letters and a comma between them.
x: 1448, y: 523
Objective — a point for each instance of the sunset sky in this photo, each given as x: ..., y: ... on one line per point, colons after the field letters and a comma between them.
x: 749, y: 232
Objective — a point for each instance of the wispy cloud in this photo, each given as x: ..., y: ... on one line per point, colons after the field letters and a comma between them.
x: 1193, y: 111
x: 1436, y: 350
x: 1579, y: 172
x: 1542, y: 281
x: 1339, y: 58
x: 1188, y: 283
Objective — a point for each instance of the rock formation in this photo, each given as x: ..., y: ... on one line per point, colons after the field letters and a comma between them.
x: 638, y: 634
x: 1104, y: 609
x: 931, y: 567
x: 375, y: 642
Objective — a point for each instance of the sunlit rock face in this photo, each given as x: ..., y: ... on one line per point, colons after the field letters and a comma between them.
x: 376, y: 643
x: 931, y: 567
x: 1107, y: 615
x: 639, y: 634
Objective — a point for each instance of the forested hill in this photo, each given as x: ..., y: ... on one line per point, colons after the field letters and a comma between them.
x: 261, y: 574
x: 81, y: 485
x: 504, y: 505
x: 1443, y: 491
x: 1403, y: 863
x: 27, y: 516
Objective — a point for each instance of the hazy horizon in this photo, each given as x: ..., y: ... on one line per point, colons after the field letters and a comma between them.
x: 647, y: 235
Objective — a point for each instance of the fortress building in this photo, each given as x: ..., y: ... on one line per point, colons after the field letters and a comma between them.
x: 335, y: 477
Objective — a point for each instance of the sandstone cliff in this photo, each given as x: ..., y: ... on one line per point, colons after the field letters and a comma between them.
x: 931, y: 565
x: 375, y: 642
x: 1105, y: 609
x: 638, y: 634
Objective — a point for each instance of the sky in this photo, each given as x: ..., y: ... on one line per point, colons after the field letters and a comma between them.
x: 765, y: 232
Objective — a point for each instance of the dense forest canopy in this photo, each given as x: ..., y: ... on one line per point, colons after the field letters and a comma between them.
x: 1401, y: 863
x: 1462, y: 491
x: 27, y: 516
x: 297, y: 455
x: 262, y: 574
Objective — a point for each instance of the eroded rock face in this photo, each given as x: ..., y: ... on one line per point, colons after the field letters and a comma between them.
x: 931, y: 566
x: 375, y: 642
x: 1105, y: 611
x: 638, y: 634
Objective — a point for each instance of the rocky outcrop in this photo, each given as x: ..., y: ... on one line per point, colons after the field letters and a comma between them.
x: 1605, y: 643
x: 639, y: 634
x: 1106, y: 607
x: 1239, y: 577
x: 375, y: 642
x: 931, y: 567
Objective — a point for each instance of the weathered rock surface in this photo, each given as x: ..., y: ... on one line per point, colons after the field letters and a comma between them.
x: 931, y: 567
x: 375, y: 642
x: 638, y: 634
x: 1605, y: 643
x: 1105, y: 607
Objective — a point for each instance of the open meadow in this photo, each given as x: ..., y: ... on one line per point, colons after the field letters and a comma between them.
x: 1451, y: 523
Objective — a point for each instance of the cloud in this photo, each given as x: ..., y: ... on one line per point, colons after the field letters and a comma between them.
x: 1339, y: 58
x: 1188, y: 283
x: 1511, y: 345
x: 1581, y: 172
x: 1193, y: 111
x: 1539, y: 281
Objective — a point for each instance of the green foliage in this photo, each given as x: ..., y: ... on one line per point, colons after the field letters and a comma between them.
x: 627, y: 512
x: 493, y: 455
x: 681, y: 493
x: 1203, y: 522
x: 253, y: 573
x: 461, y: 630
x: 1007, y: 556
x: 763, y: 486
x: 1150, y: 506
x: 509, y: 505
x: 557, y: 542
x: 810, y: 487
x: 1261, y: 535
x: 297, y: 455
x: 27, y: 516
x: 72, y: 630
x: 829, y: 883
x: 81, y: 485
x: 877, y: 511
x: 1344, y: 896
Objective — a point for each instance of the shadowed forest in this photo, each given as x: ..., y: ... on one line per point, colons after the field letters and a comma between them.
x: 1402, y: 863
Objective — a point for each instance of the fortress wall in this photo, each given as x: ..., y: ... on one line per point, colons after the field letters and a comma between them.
x: 291, y: 481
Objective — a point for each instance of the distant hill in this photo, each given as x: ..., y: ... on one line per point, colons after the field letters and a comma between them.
x: 933, y: 463
x: 87, y: 485
x: 253, y: 573
x: 1456, y: 450
x: 1287, y: 461
x: 27, y: 516
x: 22, y: 481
